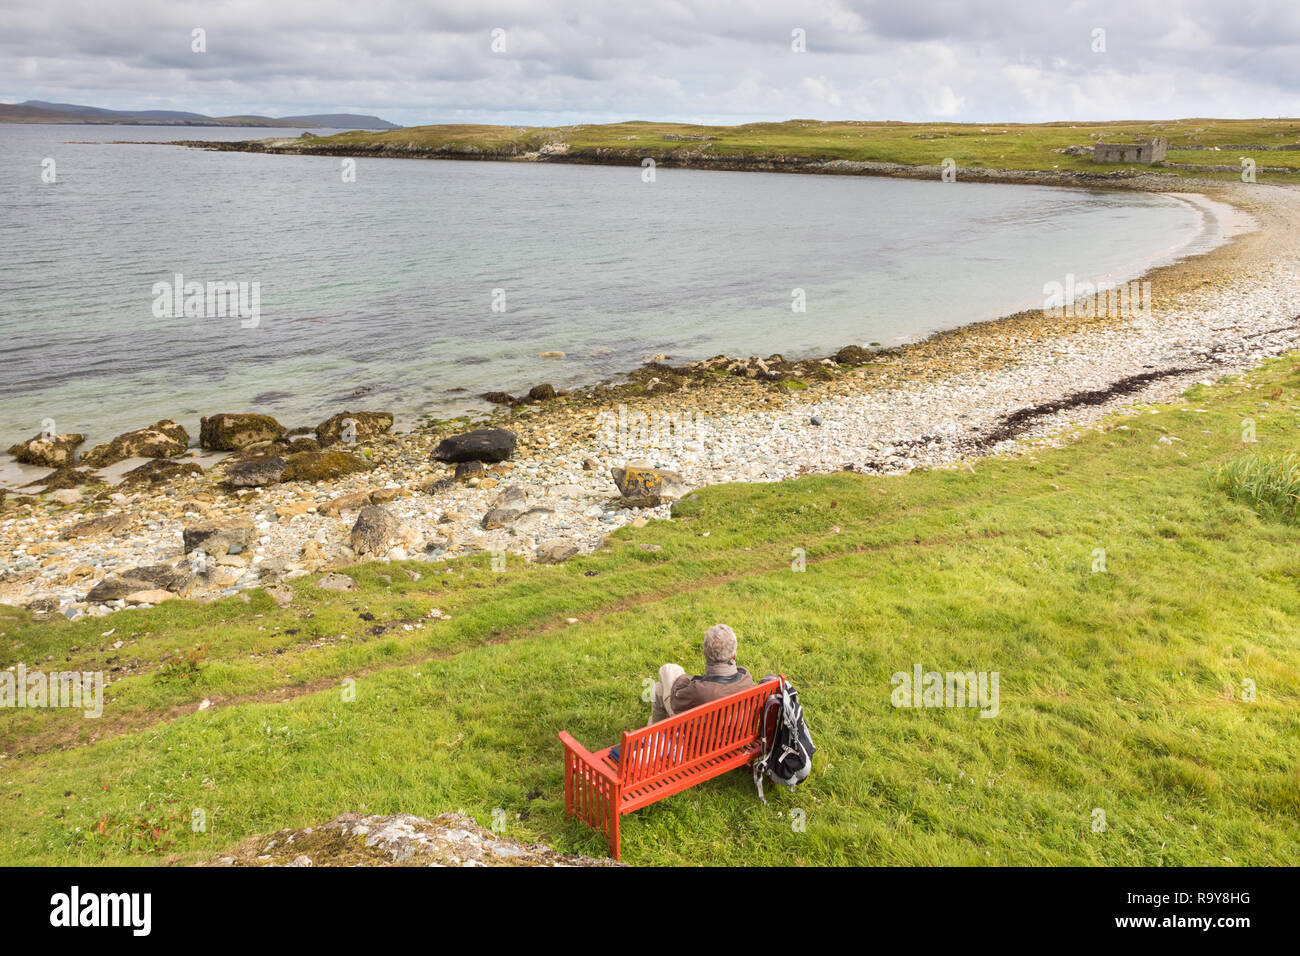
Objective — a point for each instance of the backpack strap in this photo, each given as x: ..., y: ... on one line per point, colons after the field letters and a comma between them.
x: 760, y: 764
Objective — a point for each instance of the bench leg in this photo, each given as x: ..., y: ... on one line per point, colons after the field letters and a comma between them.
x: 613, y: 834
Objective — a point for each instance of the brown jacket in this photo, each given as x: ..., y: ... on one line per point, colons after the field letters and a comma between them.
x: 688, y: 692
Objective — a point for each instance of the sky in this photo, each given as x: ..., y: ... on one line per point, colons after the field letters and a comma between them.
x: 557, y: 62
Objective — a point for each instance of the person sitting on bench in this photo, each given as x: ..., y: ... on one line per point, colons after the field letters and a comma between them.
x: 675, y: 692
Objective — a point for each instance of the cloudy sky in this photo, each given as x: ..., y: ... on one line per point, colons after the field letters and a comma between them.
x: 723, y: 61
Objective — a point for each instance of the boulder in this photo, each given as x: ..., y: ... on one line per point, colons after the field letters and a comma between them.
x: 646, y: 487
x: 541, y: 393
x: 853, y: 355
x: 281, y: 594
x: 52, y: 452
x: 218, y: 537
x: 160, y: 471
x: 322, y: 466
x: 466, y: 470
x: 113, y: 588
x: 162, y: 439
x: 498, y: 398
x: 67, y: 496
x: 354, y: 502
x: 153, y: 596
x: 553, y: 552
x: 366, y: 426
x: 482, y: 444
x: 336, y: 582
x: 499, y: 518
x: 164, y: 576
x: 255, y: 472
x: 375, y: 532
x: 303, y: 443
x: 233, y: 431
x: 100, y: 524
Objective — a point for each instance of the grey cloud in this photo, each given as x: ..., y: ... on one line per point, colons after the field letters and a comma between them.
x: 712, y: 60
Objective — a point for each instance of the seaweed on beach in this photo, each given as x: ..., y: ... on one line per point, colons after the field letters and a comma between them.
x: 1016, y: 423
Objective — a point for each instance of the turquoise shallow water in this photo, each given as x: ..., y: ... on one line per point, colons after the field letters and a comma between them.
x: 386, y: 285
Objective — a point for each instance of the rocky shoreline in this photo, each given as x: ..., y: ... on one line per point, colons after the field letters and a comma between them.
x: 259, y: 503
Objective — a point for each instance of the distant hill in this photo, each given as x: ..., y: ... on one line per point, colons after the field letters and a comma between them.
x: 40, y: 111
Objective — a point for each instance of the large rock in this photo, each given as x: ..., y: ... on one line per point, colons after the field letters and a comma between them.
x: 100, y: 524
x: 162, y: 439
x: 541, y: 393
x: 499, y: 518
x: 233, y: 431
x: 255, y: 472
x: 482, y: 444
x: 853, y: 355
x: 160, y: 471
x: 218, y: 537
x: 322, y: 466
x: 554, y: 552
x: 375, y: 532
x: 150, y: 579
x: 450, y: 839
x: 646, y: 487
x: 336, y: 582
x: 366, y: 426
x: 52, y: 452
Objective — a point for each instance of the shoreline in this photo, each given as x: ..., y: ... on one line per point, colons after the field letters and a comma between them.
x: 15, y: 476
x: 1005, y: 384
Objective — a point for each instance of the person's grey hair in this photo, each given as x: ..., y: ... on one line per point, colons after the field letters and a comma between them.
x: 719, y: 644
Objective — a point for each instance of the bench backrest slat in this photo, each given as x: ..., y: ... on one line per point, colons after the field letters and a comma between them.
x: 692, y: 738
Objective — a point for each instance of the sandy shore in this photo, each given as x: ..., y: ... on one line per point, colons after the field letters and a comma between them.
x: 982, y: 389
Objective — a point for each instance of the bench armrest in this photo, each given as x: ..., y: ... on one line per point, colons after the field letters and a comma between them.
x: 584, y: 755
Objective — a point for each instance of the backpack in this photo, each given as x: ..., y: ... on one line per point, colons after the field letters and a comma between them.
x: 787, y: 745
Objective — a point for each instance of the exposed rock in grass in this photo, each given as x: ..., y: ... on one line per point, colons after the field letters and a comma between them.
x: 449, y: 839
x: 553, y: 552
x: 375, y: 532
x: 336, y: 582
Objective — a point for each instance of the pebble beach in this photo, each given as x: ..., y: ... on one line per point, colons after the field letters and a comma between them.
x: 1001, y: 387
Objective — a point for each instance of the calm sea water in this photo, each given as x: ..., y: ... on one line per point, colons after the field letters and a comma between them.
x: 386, y: 284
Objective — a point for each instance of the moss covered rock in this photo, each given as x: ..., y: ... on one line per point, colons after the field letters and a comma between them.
x: 231, y: 432
x: 322, y: 466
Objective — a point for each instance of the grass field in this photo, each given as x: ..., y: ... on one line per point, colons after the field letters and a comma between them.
x: 1000, y: 146
x: 1120, y: 690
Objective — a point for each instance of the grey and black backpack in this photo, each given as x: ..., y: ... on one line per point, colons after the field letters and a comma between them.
x: 787, y: 746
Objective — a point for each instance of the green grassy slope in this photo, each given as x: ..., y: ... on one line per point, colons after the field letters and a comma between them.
x: 1119, y: 690
x: 1001, y: 146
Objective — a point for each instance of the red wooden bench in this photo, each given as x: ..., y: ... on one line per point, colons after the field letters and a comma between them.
x: 662, y: 759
